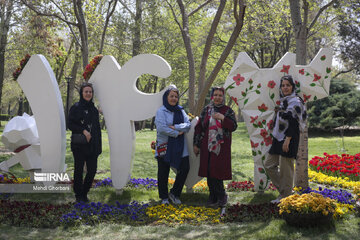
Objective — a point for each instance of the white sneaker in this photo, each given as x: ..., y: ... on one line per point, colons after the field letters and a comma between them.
x: 174, y: 199
x: 165, y: 201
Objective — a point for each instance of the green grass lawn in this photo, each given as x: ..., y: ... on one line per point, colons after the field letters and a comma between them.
x: 145, y: 165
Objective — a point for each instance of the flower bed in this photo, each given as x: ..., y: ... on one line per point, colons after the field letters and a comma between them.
x: 92, y: 213
x: 11, y: 179
x: 170, y: 214
x: 308, y: 209
x: 338, y: 166
x: 32, y: 214
x: 245, y: 186
x: 147, y: 183
x: 90, y: 68
x: 342, y: 196
x: 251, y: 212
x: 333, y: 181
x: 23, y: 62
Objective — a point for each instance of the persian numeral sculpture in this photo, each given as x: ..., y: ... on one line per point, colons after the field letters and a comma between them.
x: 122, y: 104
x: 256, y: 92
x: 40, y: 87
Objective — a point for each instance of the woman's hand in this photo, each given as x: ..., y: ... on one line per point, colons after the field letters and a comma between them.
x: 285, y: 146
x: 218, y: 116
x: 87, y: 135
x: 173, y: 128
x: 196, y: 150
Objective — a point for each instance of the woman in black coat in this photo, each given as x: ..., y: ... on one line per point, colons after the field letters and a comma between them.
x: 85, y: 140
x: 290, y: 120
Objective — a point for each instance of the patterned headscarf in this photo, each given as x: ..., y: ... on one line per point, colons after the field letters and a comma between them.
x: 291, y: 105
x: 215, y: 129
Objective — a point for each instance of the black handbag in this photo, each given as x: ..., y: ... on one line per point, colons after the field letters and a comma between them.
x: 78, y: 138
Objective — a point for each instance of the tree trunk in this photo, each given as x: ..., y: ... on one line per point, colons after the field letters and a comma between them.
x: 79, y: 13
x: 21, y: 108
x: 74, y: 71
x: 301, y: 32
x: 137, y: 46
x: 190, y: 55
x: 301, y: 174
x: 5, y: 16
x: 137, y: 29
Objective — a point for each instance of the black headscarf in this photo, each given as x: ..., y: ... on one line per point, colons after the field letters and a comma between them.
x: 86, y: 104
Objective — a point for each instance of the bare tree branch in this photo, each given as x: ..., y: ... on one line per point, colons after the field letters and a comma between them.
x: 175, y: 18
x: 69, y: 23
x: 208, y: 44
x: 344, y: 71
x: 108, y: 15
x: 319, y: 13
x: 200, y: 7
x: 128, y: 9
x: 32, y: 7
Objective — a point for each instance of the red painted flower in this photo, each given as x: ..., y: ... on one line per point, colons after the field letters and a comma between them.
x: 270, y: 124
x: 306, y: 97
x: 262, y: 108
x: 238, y: 79
x: 268, y: 140
x: 235, y: 100
x: 285, y: 69
x: 259, y: 85
x: 301, y: 71
x: 250, y: 81
x: 316, y: 77
x: 254, y: 145
x: 253, y: 119
x: 277, y: 102
x: 271, y: 84
x: 263, y: 133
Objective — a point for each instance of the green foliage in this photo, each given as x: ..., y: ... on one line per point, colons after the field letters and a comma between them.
x: 349, y: 31
x: 341, y: 108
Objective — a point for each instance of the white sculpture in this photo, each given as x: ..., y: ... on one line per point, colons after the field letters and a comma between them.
x: 194, y: 161
x: 122, y: 104
x: 20, y: 136
x: 256, y: 91
x: 38, y: 82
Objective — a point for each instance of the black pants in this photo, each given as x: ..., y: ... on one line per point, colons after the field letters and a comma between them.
x: 163, y: 176
x: 216, y: 186
x: 216, y: 189
x: 81, y: 188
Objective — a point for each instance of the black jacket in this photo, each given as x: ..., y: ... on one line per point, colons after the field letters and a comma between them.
x: 292, y: 131
x: 84, y: 115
